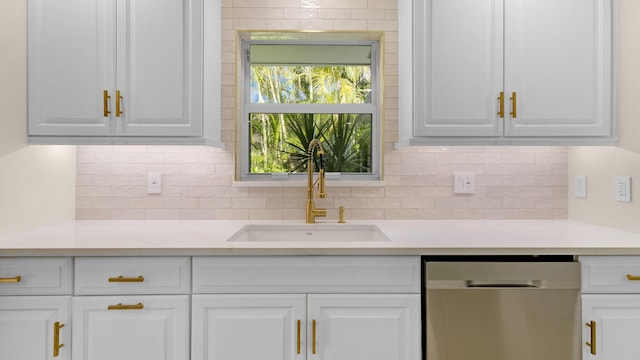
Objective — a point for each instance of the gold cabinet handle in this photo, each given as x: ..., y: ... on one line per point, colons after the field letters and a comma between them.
x: 105, y: 103
x: 119, y: 98
x: 514, y: 111
x: 126, y: 279
x: 501, y: 104
x: 633, y: 277
x: 298, y: 336
x: 120, y: 306
x: 592, y: 341
x: 56, y: 338
x: 11, y: 280
x: 313, y: 337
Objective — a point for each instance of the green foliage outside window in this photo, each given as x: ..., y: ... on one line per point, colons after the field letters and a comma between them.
x: 279, y: 141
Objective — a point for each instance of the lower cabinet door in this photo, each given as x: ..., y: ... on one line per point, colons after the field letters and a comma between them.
x: 248, y: 327
x: 371, y: 327
x: 131, y: 327
x: 611, y: 324
x: 34, y: 327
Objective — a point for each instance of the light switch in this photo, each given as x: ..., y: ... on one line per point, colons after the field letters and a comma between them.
x: 154, y: 183
x: 464, y: 183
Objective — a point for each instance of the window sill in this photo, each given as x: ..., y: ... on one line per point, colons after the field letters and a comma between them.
x: 303, y: 183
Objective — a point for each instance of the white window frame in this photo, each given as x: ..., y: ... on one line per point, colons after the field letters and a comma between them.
x: 246, y: 107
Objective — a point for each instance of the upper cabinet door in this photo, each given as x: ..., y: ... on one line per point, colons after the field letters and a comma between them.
x: 71, y: 63
x: 558, y: 62
x: 527, y: 72
x: 160, y: 67
x: 458, y: 57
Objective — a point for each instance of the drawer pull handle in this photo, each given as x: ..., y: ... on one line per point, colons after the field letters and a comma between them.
x: 514, y: 111
x: 633, y: 277
x: 501, y: 105
x: 126, y: 279
x: 313, y: 337
x: 298, y: 337
x: 119, y: 98
x: 592, y: 341
x: 120, y: 306
x: 105, y: 103
x: 56, y: 338
x: 11, y: 280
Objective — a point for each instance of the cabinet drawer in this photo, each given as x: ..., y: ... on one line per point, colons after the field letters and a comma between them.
x: 610, y: 274
x: 307, y: 274
x: 132, y: 275
x: 35, y: 276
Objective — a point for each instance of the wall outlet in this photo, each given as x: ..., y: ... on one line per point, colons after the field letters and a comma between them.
x: 623, y: 188
x: 154, y: 183
x: 580, y: 186
x: 464, y: 183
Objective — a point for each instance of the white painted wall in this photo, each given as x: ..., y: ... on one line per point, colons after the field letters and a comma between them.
x: 37, y: 183
x: 602, y: 164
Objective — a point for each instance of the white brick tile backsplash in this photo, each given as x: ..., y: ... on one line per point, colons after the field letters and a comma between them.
x: 512, y: 182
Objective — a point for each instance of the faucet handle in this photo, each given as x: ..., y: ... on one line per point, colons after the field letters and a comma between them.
x: 321, y: 185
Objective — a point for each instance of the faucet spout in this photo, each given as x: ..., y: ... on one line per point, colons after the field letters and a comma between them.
x: 312, y: 212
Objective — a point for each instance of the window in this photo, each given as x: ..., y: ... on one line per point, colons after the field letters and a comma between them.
x: 298, y: 90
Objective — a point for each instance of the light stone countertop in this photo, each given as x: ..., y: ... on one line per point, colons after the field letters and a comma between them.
x: 407, y: 237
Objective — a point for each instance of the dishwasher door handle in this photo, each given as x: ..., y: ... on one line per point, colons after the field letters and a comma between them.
x: 504, y: 283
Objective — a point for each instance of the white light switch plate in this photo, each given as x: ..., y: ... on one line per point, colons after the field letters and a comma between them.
x: 154, y: 183
x: 464, y: 183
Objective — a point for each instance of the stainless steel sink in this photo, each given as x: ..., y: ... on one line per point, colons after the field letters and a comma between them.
x: 309, y: 233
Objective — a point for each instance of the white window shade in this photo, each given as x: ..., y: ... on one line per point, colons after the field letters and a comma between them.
x: 305, y: 54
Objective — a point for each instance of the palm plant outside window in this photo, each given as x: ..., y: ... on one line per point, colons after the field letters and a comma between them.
x: 295, y: 92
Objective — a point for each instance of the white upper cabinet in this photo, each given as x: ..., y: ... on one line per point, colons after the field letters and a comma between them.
x: 117, y: 71
x: 505, y: 72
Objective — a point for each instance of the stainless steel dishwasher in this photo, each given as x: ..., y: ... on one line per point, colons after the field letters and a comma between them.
x: 502, y: 310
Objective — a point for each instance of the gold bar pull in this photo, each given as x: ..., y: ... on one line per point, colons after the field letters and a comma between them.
x: 105, y: 103
x: 11, y: 280
x: 120, y: 306
x: 126, y: 279
x: 633, y: 277
x: 592, y: 342
x: 119, y: 98
x: 313, y: 337
x: 56, y: 338
x: 514, y: 111
x: 501, y: 105
x: 298, y: 336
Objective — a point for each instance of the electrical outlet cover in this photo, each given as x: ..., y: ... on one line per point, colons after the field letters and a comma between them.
x: 580, y: 186
x: 623, y: 188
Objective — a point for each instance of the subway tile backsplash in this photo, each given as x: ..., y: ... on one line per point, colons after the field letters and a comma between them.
x: 511, y: 183
x: 197, y: 182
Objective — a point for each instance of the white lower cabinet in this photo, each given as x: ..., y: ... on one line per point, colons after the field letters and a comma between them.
x: 612, y: 325
x: 248, y: 326
x: 359, y: 326
x: 131, y: 308
x: 35, y: 300
x: 210, y: 308
x: 34, y: 327
x: 610, y: 307
x: 131, y: 327
x: 306, y: 308
x: 299, y: 326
